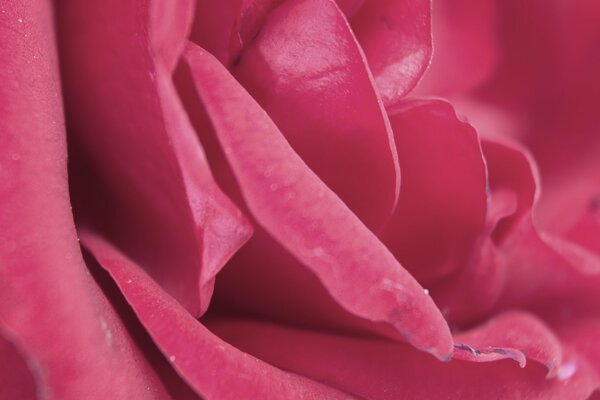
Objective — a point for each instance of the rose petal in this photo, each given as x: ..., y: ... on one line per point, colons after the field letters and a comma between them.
x: 515, y: 335
x: 169, y: 27
x: 50, y: 308
x: 307, y: 72
x: 442, y: 207
x: 16, y: 379
x: 396, y: 38
x: 139, y: 172
x: 395, y: 371
x: 465, y: 40
x: 308, y: 219
x: 190, y: 347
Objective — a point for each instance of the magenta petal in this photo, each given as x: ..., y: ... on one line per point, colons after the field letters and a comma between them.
x: 466, y: 49
x: 16, y: 379
x: 308, y: 219
x: 514, y: 335
x: 307, y: 72
x: 212, y: 367
x: 441, y: 212
x: 140, y: 174
x: 379, y: 369
x: 169, y: 24
x: 396, y: 38
x: 51, y: 310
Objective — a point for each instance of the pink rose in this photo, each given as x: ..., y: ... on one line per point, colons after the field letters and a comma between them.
x: 260, y: 199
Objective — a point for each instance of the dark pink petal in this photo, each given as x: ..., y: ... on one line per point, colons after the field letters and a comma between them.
x: 512, y: 173
x: 307, y: 72
x: 441, y: 212
x: 51, y: 310
x: 349, y: 7
x: 538, y: 267
x: 465, y: 46
x: 139, y: 173
x: 212, y: 367
x: 214, y: 27
x: 549, y: 58
x: 16, y: 379
x: 474, y: 290
x: 308, y: 219
x: 396, y: 38
x: 515, y: 335
x: 379, y: 369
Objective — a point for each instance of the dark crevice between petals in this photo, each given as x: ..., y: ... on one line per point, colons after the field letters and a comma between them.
x: 176, y: 387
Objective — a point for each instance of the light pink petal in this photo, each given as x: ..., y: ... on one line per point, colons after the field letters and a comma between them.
x: 307, y: 72
x: 396, y: 38
x: 308, y: 219
x: 139, y: 172
x: 169, y: 25
x: 379, y: 369
x: 212, y: 367
x: 441, y: 212
x: 51, y: 310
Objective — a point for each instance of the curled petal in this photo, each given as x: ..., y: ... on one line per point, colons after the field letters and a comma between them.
x: 51, y: 310
x: 515, y: 335
x: 442, y: 207
x: 396, y: 371
x: 396, y: 38
x: 139, y: 172
x: 212, y: 367
x: 307, y: 72
x: 308, y: 219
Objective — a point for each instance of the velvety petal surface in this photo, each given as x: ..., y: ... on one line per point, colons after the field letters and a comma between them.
x: 307, y: 72
x: 396, y: 38
x: 308, y: 219
x: 396, y: 371
x: 139, y: 172
x: 465, y: 47
x: 214, y: 368
x: 51, y: 310
x: 441, y: 212
x: 16, y: 379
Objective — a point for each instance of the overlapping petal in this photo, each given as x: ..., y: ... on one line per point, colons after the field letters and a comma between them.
x: 307, y: 72
x: 441, y: 212
x: 396, y: 38
x: 138, y: 171
x: 214, y: 368
x: 395, y: 371
x: 308, y: 219
x: 51, y: 310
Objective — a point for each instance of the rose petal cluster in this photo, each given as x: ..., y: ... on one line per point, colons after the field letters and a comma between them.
x: 316, y: 199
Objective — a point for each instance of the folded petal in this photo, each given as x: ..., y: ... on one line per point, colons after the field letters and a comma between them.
x: 139, y: 172
x: 396, y: 38
x: 307, y: 72
x: 212, y: 367
x: 51, y: 310
x: 515, y: 335
x: 395, y: 371
x: 308, y: 219
x: 441, y: 212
